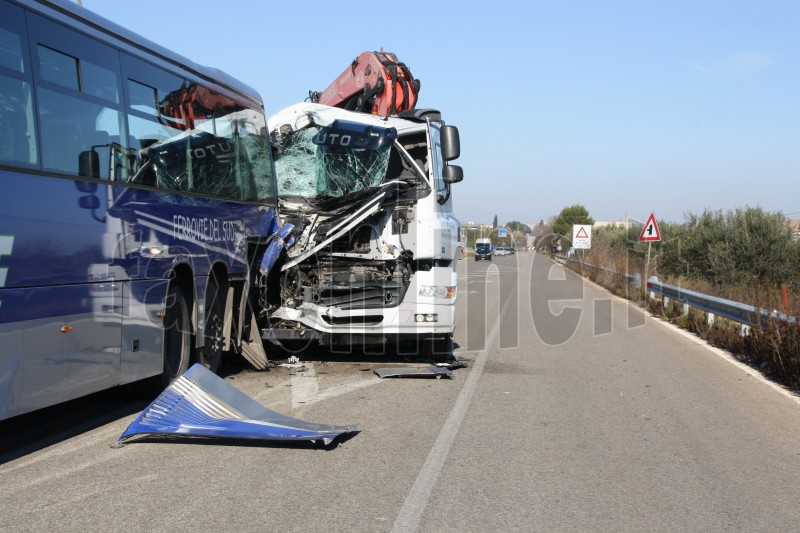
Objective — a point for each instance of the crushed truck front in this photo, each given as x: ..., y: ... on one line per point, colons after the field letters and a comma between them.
x: 372, y: 252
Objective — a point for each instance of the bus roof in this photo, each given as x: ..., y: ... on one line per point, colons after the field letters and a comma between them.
x: 130, y: 41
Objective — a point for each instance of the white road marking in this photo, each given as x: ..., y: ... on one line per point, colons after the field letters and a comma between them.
x: 417, y: 499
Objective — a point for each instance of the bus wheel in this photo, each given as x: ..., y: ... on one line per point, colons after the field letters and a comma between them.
x: 213, y: 333
x: 177, y: 335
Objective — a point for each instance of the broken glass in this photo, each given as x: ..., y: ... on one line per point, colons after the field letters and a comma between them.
x: 309, y: 164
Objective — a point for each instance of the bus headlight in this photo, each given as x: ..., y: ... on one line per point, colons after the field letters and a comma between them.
x: 438, y: 291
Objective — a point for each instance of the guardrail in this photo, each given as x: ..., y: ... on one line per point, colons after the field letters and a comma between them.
x: 631, y: 279
x: 747, y: 315
x: 744, y: 314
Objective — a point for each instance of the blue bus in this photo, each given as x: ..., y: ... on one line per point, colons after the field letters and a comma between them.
x: 137, y: 192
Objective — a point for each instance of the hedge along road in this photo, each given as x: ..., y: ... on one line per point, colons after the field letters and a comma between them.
x: 578, y: 414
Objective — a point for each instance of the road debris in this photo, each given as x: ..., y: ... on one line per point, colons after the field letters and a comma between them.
x: 414, y: 372
x: 454, y: 363
x: 201, y: 404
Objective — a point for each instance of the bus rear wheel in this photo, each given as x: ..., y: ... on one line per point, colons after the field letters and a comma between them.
x: 214, y: 332
x: 177, y: 336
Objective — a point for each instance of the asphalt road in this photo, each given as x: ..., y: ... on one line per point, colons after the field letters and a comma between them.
x: 577, y: 413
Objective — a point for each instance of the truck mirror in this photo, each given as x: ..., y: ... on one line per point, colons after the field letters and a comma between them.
x: 451, y: 145
x: 452, y: 174
x: 89, y: 164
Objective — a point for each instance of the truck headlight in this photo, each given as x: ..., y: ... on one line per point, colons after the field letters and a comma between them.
x: 438, y: 291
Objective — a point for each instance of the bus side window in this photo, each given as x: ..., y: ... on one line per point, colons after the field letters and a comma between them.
x: 17, y: 142
x: 78, y: 87
x: 17, y: 124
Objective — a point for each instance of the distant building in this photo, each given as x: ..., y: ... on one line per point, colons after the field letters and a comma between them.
x: 795, y: 226
x: 610, y: 223
x: 474, y: 230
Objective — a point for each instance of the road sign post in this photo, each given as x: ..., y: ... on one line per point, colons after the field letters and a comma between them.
x: 649, y: 234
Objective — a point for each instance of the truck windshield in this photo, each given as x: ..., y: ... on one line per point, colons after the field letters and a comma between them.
x: 482, y: 247
x: 332, y: 161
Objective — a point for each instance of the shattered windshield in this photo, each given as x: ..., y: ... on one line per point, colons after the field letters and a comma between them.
x: 332, y: 161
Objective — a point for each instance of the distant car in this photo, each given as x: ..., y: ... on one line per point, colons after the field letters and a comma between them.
x: 501, y: 251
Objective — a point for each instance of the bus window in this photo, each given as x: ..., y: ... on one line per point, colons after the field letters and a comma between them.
x: 17, y: 130
x: 58, y: 68
x: 198, y: 140
x: 149, y: 89
x: 10, y: 47
x: 145, y: 128
x: 78, y: 92
x: 69, y: 126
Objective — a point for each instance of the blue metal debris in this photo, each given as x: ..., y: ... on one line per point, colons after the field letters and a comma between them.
x: 201, y: 404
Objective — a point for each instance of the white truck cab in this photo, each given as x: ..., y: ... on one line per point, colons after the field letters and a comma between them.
x: 372, y: 250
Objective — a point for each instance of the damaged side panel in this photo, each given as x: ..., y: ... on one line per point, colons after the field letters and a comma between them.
x: 201, y: 404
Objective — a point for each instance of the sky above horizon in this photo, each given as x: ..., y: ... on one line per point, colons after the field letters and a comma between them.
x: 623, y: 107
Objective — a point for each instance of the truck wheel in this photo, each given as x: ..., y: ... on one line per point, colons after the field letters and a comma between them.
x: 213, y: 333
x: 177, y: 336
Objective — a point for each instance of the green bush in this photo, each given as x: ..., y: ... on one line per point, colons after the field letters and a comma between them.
x: 744, y: 247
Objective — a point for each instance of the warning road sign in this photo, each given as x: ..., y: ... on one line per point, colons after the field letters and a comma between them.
x: 650, y: 231
x: 582, y: 236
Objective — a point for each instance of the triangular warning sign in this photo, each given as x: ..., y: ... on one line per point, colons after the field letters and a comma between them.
x: 650, y: 231
x: 582, y: 234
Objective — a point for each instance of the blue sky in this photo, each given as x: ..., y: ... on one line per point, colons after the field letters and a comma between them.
x: 625, y: 107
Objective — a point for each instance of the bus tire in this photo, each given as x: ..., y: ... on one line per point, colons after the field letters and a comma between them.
x: 210, y: 356
x: 177, y: 336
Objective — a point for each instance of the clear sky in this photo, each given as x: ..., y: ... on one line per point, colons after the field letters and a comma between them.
x: 625, y: 107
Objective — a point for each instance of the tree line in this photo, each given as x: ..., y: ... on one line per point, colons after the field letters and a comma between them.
x: 742, y: 247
